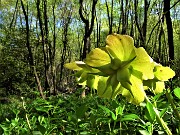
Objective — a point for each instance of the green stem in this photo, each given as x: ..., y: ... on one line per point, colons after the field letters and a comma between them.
x: 27, y: 120
x: 120, y: 126
x: 159, y: 119
x: 170, y: 99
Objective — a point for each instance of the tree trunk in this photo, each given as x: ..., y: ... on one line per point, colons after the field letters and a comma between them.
x: 31, y: 58
x: 110, y: 16
x: 169, y: 29
x: 88, y: 27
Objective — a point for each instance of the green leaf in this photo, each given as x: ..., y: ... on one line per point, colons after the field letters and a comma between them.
x: 41, y: 128
x: 160, y: 86
x: 144, y: 132
x: 130, y: 117
x: 108, y: 111
x: 143, y: 63
x: 177, y: 92
x: 104, y: 90
x: 163, y: 112
x: 120, y: 46
x: 163, y: 73
x: 151, y: 112
x: 123, y: 75
x: 108, y: 87
x: 156, y: 86
x: 135, y: 93
x: 72, y: 66
x: 80, y: 111
x: 97, y: 58
x: 119, y: 110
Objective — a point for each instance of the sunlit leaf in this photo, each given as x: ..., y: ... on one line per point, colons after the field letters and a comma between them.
x: 151, y: 112
x: 107, y: 88
x: 72, y: 66
x: 156, y: 86
x: 97, y: 58
x: 92, y: 81
x: 143, y: 63
x: 123, y: 75
x: 177, y: 92
x: 163, y: 73
x: 136, y: 92
x: 120, y: 46
x: 160, y: 86
x: 102, y: 87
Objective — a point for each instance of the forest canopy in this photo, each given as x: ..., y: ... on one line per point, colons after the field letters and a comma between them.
x: 39, y: 37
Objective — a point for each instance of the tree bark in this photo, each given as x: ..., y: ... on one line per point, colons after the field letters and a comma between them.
x: 169, y: 29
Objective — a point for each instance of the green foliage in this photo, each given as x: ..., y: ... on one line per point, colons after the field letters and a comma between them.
x: 177, y: 92
x: 69, y: 114
x: 121, y: 68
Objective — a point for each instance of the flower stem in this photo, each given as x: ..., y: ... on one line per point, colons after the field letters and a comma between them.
x: 159, y: 119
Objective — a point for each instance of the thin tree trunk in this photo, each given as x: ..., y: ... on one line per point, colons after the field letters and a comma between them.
x: 54, y: 50
x: 31, y: 58
x: 110, y: 16
x: 169, y: 29
x: 144, y: 27
x: 14, y: 15
x: 44, y: 45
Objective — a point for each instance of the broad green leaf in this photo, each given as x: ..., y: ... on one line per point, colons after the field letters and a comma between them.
x: 120, y: 46
x: 83, y: 77
x: 108, y: 111
x: 163, y: 73
x: 143, y: 63
x: 130, y: 117
x: 72, y: 66
x: 119, y: 110
x: 92, y: 81
x: 159, y: 87
x: 97, y: 58
x: 80, y: 111
x: 156, y: 86
x: 151, y: 112
x: 123, y: 75
x: 107, y: 88
x: 144, y: 132
x: 80, y: 65
x: 177, y: 92
x: 136, y: 92
x: 106, y: 70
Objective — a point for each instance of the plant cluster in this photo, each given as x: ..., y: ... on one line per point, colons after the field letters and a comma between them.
x: 72, y: 115
x: 121, y: 68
